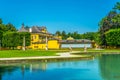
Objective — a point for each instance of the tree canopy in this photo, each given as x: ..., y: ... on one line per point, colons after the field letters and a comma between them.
x: 111, y: 21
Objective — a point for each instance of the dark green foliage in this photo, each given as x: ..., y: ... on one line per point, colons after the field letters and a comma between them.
x: 113, y: 37
x: 10, y: 27
x: 89, y: 35
x: 14, y: 39
x: 27, y: 38
x: 2, y: 28
x: 0, y: 21
x: 117, y: 6
x: 7, y: 29
x: 64, y: 35
x: 76, y: 35
x: 106, y: 24
x: 58, y: 33
x: 111, y: 21
x: 10, y: 39
x: 1, y: 34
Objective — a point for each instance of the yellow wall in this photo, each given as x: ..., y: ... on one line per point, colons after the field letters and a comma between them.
x: 53, y: 44
x: 35, y: 37
x: 38, y: 46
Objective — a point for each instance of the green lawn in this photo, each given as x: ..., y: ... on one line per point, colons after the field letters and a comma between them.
x: 33, y: 53
x: 27, y: 53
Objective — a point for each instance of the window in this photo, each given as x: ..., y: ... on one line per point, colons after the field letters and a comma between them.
x: 34, y: 37
x: 36, y: 47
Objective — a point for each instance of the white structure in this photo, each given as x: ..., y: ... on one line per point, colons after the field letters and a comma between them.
x: 79, y: 43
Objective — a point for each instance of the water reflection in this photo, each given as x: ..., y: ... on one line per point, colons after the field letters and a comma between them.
x: 104, y: 67
x: 110, y: 66
x: 33, y: 67
x: 52, y: 70
x: 6, y: 69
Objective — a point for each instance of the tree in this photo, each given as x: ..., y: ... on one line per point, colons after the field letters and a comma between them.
x: 111, y: 21
x: 64, y: 36
x: 75, y: 35
x: 113, y: 37
x: 2, y: 30
x: 2, y: 27
x: 58, y: 33
x: 10, y: 27
x: 10, y: 39
x: 89, y: 35
x: 0, y: 21
x: 117, y: 6
x: 14, y: 39
x: 107, y: 23
x: 27, y: 38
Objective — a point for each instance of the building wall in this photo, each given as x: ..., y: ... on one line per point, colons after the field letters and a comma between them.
x: 38, y: 46
x: 35, y: 37
x: 38, y: 43
x: 53, y: 44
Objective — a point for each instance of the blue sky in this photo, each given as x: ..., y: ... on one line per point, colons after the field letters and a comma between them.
x: 69, y: 15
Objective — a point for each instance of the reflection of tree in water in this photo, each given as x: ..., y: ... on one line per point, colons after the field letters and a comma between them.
x: 110, y: 67
x: 6, y: 69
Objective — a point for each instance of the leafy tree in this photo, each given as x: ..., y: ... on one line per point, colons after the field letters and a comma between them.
x: 111, y: 21
x: 64, y: 36
x: 58, y: 33
x: 2, y: 27
x: 107, y: 23
x: 2, y: 30
x: 117, y: 6
x: 10, y: 39
x: 75, y: 35
x: 27, y: 38
x: 0, y: 21
x: 69, y: 34
x: 10, y: 27
x: 113, y: 37
x: 89, y: 35
x: 14, y: 39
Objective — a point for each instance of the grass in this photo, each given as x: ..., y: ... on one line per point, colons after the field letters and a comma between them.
x: 33, y: 53
x: 27, y: 53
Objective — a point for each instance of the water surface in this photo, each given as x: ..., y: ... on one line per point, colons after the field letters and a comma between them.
x: 104, y: 67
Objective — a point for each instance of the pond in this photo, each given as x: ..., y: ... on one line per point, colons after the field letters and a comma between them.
x: 103, y: 67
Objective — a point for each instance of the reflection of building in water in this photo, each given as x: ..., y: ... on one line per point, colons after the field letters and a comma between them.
x: 23, y: 69
x: 35, y: 67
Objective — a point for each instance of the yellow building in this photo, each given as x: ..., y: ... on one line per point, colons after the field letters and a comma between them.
x: 41, y: 38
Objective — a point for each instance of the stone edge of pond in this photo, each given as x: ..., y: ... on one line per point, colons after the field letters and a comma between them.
x: 95, y: 52
x: 42, y: 59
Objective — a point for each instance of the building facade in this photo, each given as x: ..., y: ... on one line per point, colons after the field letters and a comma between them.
x: 42, y: 39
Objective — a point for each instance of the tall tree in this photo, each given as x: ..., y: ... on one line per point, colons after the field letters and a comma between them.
x: 10, y: 27
x: 111, y: 21
x: 113, y: 37
x: 0, y: 21
x: 64, y: 36
x: 14, y: 39
x: 117, y: 6
x: 58, y: 33
x: 106, y: 24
